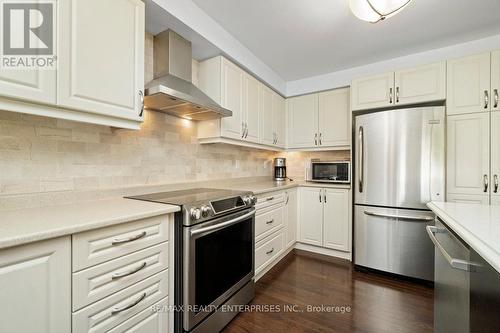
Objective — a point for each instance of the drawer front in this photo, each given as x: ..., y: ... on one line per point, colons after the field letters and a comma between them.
x: 269, y: 199
x: 119, y: 307
x: 97, y: 282
x: 97, y: 246
x: 267, y: 222
x: 267, y: 251
x: 149, y: 320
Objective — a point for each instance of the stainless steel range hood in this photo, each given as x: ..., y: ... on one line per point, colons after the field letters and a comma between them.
x: 171, y: 91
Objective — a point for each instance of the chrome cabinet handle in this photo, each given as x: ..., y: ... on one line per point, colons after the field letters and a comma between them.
x: 132, y: 271
x: 242, y: 129
x: 495, y: 184
x: 270, y: 251
x: 316, y: 139
x: 319, y: 195
x: 270, y: 198
x: 360, y: 159
x: 270, y: 222
x: 129, y: 306
x: 324, y: 196
x: 141, y: 97
x: 287, y: 198
x: 390, y: 95
x: 454, y: 262
x: 486, y: 99
x: 320, y: 139
x: 224, y: 224
x: 495, y: 98
x: 118, y: 241
x: 485, y: 180
x: 401, y: 217
x: 397, y: 94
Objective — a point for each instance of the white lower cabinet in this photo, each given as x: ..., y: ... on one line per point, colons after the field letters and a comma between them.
x: 267, y: 250
x: 291, y: 217
x: 324, y: 217
x: 152, y: 319
x: 35, y: 287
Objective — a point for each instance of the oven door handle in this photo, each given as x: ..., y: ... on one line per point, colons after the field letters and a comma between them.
x: 224, y: 224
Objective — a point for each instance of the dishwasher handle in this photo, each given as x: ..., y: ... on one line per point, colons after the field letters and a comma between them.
x: 461, y: 264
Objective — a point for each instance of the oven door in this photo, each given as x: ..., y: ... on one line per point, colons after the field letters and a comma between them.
x: 218, y: 261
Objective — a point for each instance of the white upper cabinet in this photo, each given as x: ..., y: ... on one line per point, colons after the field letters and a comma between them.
x: 251, y: 108
x: 373, y: 92
x: 336, y: 219
x: 279, y: 120
x: 232, y: 99
x: 334, y: 118
x: 420, y: 84
x: 101, y: 57
x: 266, y: 116
x: 495, y: 80
x: 311, y: 215
x: 469, y: 84
x: 468, y: 154
x: 408, y: 86
x: 303, y: 121
x: 35, y: 290
x: 495, y: 157
x: 34, y: 85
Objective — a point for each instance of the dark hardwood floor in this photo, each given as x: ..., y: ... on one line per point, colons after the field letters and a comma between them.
x: 377, y: 303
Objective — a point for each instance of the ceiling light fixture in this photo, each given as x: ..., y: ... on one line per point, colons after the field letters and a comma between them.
x: 374, y: 11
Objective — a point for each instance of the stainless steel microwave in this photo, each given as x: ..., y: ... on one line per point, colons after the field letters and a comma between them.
x: 330, y: 172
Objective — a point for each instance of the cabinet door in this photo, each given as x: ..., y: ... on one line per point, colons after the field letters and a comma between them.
x: 267, y: 134
x: 30, y: 85
x: 469, y: 154
x: 36, y: 287
x: 291, y: 216
x: 336, y: 219
x: 495, y: 80
x: 232, y: 99
x: 334, y: 118
x: 468, y: 84
x: 495, y: 156
x: 373, y: 92
x: 251, y: 107
x: 279, y: 111
x: 468, y: 199
x: 311, y: 215
x: 101, y: 57
x: 421, y: 84
x: 303, y: 121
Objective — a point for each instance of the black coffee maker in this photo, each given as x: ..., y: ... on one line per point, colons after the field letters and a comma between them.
x: 280, y: 168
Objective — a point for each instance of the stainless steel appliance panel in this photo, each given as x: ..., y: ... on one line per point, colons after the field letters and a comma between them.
x: 400, y: 157
x: 394, y: 240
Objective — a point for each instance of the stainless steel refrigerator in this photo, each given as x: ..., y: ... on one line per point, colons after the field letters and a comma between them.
x: 399, y: 167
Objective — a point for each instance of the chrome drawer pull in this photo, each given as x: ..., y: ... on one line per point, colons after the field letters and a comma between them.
x: 118, y: 241
x: 402, y: 217
x: 454, y: 262
x: 132, y: 271
x: 486, y: 182
x: 270, y: 222
x: 495, y: 180
x: 270, y: 251
x: 129, y: 306
x: 495, y: 93
x: 486, y: 99
x: 270, y: 198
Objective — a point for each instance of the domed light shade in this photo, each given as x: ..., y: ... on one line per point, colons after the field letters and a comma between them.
x: 376, y: 10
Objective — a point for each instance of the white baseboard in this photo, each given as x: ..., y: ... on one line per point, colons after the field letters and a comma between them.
x: 324, y: 251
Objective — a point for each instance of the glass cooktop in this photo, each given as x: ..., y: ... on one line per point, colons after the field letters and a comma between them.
x: 189, y: 197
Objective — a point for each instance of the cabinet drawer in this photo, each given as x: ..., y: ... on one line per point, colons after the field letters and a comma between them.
x: 97, y: 246
x: 97, y: 282
x: 269, y: 199
x: 267, y: 251
x: 115, y: 309
x: 267, y: 222
x: 149, y: 320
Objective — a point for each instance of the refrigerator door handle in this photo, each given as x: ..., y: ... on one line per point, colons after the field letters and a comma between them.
x: 360, y: 158
x: 401, y: 217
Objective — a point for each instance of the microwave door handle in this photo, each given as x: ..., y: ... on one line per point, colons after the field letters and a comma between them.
x: 222, y: 225
x: 360, y: 158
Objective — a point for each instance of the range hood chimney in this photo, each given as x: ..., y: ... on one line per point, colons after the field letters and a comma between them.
x: 172, y: 91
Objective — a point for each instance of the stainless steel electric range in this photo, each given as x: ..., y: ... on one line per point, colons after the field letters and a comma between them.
x: 214, y: 255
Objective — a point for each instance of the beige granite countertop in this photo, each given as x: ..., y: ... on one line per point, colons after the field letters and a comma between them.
x: 35, y: 224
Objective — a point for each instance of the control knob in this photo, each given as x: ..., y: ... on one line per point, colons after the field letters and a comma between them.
x: 250, y: 200
x: 205, y: 210
x: 195, y: 213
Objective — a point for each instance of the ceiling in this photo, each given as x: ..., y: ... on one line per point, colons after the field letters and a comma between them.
x: 304, y: 38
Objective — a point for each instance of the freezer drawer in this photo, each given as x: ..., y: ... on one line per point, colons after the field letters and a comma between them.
x: 394, y: 240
